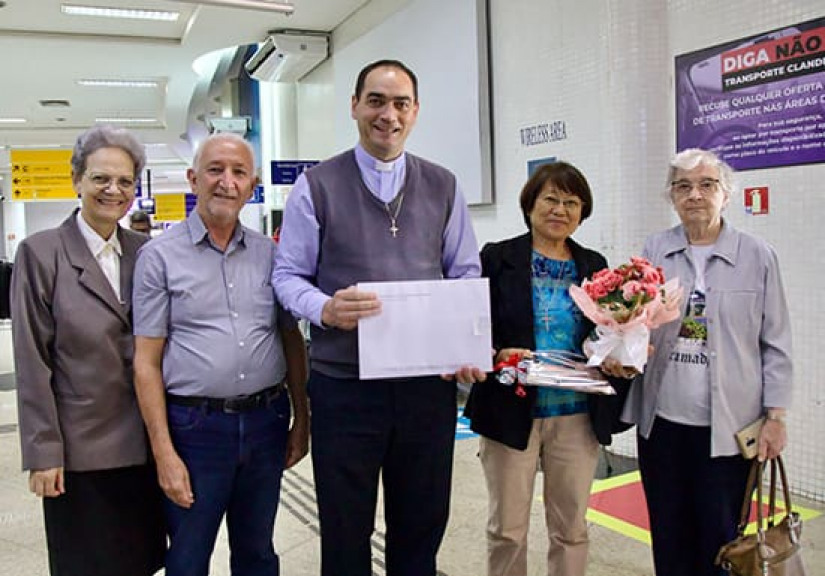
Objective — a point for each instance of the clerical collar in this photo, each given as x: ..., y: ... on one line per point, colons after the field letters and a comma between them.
x: 367, y: 161
x: 384, y: 166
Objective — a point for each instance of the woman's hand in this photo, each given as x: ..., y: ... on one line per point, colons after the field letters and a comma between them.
x: 613, y: 367
x: 772, y: 439
x: 505, y: 353
x: 47, y: 483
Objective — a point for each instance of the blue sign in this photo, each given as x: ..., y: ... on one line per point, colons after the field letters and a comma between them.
x: 533, y: 165
x: 286, y: 172
x: 147, y: 205
x: 190, y: 200
x: 257, y: 195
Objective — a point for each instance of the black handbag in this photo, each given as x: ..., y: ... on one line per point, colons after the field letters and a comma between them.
x: 775, y: 549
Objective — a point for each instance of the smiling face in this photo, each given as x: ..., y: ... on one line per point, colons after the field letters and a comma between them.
x: 223, y: 180
x: 385, y: 112
x: 699, y: 208
x: 555, y: 215
x: 106, y: 189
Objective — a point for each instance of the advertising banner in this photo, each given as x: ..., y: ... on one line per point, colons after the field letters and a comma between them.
x: 758, y: 102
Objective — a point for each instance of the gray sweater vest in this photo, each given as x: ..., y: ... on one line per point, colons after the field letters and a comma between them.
x: 356, y: 244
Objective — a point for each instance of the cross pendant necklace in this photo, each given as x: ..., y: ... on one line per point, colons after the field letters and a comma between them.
x: 394, y: 215
x: 550, y: 304
x: 546, y: 319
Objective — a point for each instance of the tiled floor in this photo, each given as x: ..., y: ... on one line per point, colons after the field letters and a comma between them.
x: 22, y: 548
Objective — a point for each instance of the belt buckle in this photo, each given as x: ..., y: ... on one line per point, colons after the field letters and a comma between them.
x: 235, y: 405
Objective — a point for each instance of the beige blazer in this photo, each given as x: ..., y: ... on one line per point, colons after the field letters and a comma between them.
x: 73, y: 351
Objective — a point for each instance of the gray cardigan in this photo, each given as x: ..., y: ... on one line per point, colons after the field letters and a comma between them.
x: 749, y: 333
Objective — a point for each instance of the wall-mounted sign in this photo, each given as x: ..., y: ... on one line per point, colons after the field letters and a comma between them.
x: 533, y: 165
x: 286, y: 172
x: 41, y: 175
x: 758, y: 102
x: 756, y: 200
x: 173, y: 207
x: 543, y: 133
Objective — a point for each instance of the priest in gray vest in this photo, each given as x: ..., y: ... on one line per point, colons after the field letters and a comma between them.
x: 375, y: 213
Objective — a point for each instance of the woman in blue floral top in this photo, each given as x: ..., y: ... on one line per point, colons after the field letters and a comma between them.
x: 558, y: 431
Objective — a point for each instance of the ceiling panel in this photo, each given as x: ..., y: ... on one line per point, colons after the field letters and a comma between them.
x: 44, y: 52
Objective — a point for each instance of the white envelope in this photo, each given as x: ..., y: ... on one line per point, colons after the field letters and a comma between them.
x: 426, y: 327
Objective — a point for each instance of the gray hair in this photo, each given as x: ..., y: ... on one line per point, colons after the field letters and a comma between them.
x: 228, y: 136
x: 693, y: 157
x: 105, y: 136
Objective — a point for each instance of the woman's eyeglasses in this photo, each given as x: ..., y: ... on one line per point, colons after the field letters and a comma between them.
x: 705, y: 186
x: 103, y: 181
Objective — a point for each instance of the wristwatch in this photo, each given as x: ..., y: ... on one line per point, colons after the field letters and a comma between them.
x: 776, y: 416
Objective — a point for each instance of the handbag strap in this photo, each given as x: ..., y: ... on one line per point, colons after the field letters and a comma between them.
x: 755, y: 477
x: 786, y: 491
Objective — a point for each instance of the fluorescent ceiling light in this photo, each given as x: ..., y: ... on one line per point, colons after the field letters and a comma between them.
x: 267, y: 5
x: 118, y: 83
x: 131, y: 13
x: 12, y: 120
x: 127, y: 120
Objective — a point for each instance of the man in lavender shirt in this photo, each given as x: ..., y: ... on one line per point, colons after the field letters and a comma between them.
x: 375, y: 213
x: 215, y: 359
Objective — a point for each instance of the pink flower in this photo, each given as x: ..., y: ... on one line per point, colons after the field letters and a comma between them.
x: 624, y: 291
x: 596, y: 290
x: 631, y: 289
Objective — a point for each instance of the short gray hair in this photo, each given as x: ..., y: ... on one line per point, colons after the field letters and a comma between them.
x: 229, y: 136
x: 693, y: 157
x: 106, y: 136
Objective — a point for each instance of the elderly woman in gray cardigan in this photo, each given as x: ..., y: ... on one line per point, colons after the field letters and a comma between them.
x: 725, y: 364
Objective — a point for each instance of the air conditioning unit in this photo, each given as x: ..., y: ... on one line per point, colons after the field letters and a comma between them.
x: 287, y: 57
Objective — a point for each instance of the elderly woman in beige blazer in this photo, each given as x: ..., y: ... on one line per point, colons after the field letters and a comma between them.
x: 81, y: 432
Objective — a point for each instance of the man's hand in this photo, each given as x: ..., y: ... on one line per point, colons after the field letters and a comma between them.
x: 466, y: 375
x: 349, y: 305
x: 47, y: 483
x: 297, y: 442
x: 173, y: 478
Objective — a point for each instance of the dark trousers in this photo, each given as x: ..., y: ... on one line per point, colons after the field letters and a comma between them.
x: 235, y: 462
x: 402, y: 430
x: 693, y: 500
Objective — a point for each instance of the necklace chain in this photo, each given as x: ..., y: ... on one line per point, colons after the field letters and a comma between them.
x: 394, y: 216
x: 545, y: 312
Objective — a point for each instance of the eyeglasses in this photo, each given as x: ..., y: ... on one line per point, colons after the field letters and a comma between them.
x: 705, y: 186
x: 570, y: 205
x: 103, y: 181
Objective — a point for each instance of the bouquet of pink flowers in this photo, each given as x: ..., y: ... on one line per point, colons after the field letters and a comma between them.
x: 626, y: 303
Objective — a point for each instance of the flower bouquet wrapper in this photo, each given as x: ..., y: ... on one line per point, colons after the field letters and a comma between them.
x: 554, y: 369
x: 627, y: 341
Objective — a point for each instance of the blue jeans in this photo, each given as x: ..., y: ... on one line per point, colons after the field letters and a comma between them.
x: 235, y: 462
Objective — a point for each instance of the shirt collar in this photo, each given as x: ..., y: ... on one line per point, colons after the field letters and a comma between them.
x: 198, y: 232
x: 726, y: 244
x: 95, y: 241
x: 367, y: 162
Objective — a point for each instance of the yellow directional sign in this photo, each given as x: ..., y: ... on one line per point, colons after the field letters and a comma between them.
x: 41, y: 175
x: 170, y: 207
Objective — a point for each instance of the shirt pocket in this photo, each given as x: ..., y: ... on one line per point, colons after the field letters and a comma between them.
x: 262, y: 301
x: 740, y: 313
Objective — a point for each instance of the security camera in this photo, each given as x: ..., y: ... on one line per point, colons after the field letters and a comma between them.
x: 237, y: 125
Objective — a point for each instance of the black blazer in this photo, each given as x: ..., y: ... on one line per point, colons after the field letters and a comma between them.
x: 494, y: 410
